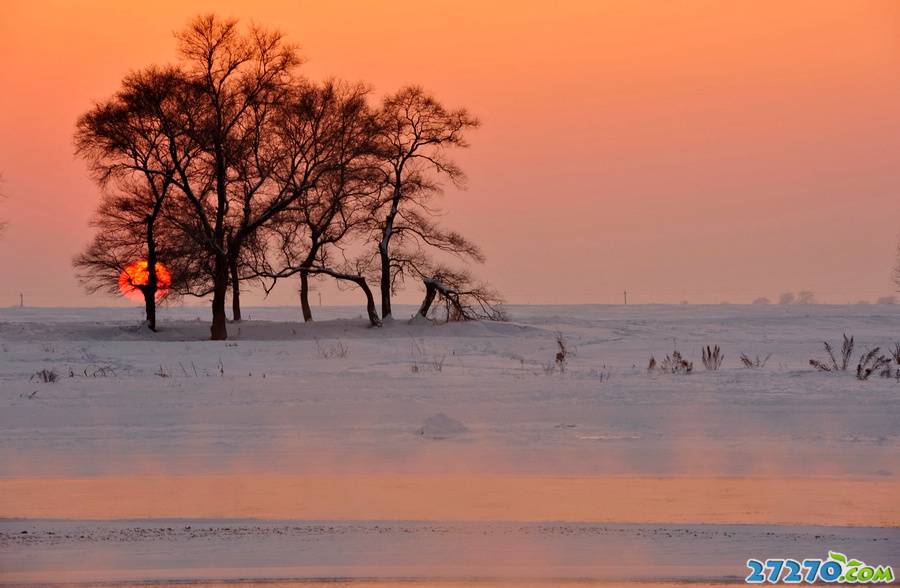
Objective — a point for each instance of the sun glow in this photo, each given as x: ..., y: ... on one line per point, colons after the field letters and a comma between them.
x: 136, y: 274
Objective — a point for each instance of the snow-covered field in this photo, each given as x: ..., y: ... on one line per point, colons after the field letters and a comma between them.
x: 331, y: 450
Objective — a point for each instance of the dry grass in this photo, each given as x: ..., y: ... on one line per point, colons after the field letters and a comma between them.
x: 332, y: 350
x: 871, y: 362
x: 832, y: 364
x: 754, y: 362
x: 672, y: 364
x: 712, y: 357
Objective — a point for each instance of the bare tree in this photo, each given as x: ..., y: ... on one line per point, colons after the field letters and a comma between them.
x: 125, y: 147
x: 322, y: 216
x: 236, y: 79
x: 460, y: 296
x: 124, y: 251
x: 416, y: 132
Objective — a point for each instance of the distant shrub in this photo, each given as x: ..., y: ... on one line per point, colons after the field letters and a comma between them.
x: 806, y: 297
x: 762, y: 300
x: 887, y: 300
x: 786, y: 298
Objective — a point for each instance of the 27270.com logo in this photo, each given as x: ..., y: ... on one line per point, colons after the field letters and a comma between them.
x: 838, y: 568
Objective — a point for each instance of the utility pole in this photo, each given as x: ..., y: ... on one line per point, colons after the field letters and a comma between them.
x: 625, y: 295
x: 21, y: 300
x: 320, y: 299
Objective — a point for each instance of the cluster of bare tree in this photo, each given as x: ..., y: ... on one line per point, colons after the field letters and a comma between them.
x: 231, y: 169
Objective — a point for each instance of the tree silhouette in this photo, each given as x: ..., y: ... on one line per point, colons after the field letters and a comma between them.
x: 235, y: 78
x: 126, y: 236
x: 125, y: 145
x: 308, y: 233
x: 460, y: 296
x: 415, y: 132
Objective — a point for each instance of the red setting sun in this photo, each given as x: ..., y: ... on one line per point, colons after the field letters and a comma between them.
x: 136, y: 275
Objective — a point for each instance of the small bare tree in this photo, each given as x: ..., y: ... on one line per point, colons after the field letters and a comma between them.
x: 415, y: 134
x: 122, y: 249
x: 459, y: 296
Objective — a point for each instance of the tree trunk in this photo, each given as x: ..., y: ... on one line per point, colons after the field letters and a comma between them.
x: 385, y: 282
x: 150, y: 308
x: 364, y: 286
x: 370, y: 303
x: 235, y: 289
x: 149, y: 290
x: 219, y: 329
x: 304, y: 296
x: 430, y: 293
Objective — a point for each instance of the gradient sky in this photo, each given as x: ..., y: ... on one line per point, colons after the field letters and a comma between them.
x: 685, y: 150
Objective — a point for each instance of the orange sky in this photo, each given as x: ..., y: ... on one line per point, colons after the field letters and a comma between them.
x: 687, y: 150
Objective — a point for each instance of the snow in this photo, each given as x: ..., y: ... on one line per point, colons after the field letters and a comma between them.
x: 440, y: 426
x: 338, y: 407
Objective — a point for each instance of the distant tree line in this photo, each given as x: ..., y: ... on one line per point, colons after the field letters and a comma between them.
x: 231, y: 169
